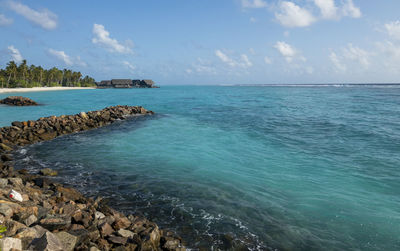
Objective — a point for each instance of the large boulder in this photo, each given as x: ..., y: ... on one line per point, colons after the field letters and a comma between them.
x: 18, y: 101
x: 8, y: 244
x: 48, y: 242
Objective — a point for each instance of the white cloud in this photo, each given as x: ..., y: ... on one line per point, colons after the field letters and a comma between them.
x: 253, y: 20
x: 44, y: 18
x: 224, y: 58
x: 61, y: 55
x: 328, y: 8
x: 5, y: 20
x: 349, y: 9
x: 288, y: 52
x: 393, y: 29
x: 244, y: 60
x: 339, y: 66
x: 254, y: 4
x: 15, y: 54
x: 292, y: 15
x: 267, y: 60
x: 355, y: 53
x: 130, y: 66
x: 102, y: 37
x: 202, y: 66
x: 66, y: 59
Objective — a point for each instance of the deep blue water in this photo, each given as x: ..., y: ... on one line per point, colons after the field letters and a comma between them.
x: 291, y: 168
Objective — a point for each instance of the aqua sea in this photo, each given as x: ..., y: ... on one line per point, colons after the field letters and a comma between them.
x: 289, y: 168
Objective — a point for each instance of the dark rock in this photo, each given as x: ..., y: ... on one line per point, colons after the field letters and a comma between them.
x: 18, y: 101
x: 41, y: 182
x: 117, y: 239
x: 17, y: 124
x: 6, y: 157
x: 56, y: 222
x: 121, y: 223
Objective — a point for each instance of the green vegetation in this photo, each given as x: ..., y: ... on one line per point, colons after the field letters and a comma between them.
x: 2, y: 230
x: 14, y: 76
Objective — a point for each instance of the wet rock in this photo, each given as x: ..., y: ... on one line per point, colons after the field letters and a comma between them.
x: 48, y: 242
x: 18, y: 101
x: 41, y: 182
x: 7, y: 244
x: 56, y: 222
x: 6, y: 157
x: 68, y: 240
x: 48, y: 172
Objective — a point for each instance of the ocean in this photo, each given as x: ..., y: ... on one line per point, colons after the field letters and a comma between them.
x: 238, y: 167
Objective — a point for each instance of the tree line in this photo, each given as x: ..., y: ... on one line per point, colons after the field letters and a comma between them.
x: 22, y: 75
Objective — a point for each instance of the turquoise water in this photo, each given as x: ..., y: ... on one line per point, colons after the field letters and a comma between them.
x: 291, y: 168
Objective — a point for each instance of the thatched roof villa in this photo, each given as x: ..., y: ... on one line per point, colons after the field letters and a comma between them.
x: 126, y: 83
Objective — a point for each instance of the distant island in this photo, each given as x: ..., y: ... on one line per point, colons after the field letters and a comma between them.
x: 126, y: 83
x: 25, y: 76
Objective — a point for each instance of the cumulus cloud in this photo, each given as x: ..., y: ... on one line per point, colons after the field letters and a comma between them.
x: 5, y: 20
x: 328, y: 8
x: 102, y: 37
x: 339, y: 66
x: 254, y: 4
x: 130, y: 66
x: 244, y: 60
x: 349, y: 9
x: 202, y: 66
x: 66, y: 59
x: 62, y: 56
x: 288, y: 52
x: 44, y: 18
x: 15, y: 54
x: 357, y: 54
x: 292, y: 15
x: 393, y: 29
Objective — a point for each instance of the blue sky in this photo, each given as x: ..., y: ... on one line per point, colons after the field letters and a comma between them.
x: 208, y: 41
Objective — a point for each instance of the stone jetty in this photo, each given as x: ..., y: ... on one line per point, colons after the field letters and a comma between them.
x: 18, y: 101
x: 52, y: 216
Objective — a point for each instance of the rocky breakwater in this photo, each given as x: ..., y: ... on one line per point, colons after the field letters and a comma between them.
x: 18, y: 101
x: 43, y: 215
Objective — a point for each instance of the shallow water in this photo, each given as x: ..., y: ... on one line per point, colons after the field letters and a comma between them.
x: 284, y: 167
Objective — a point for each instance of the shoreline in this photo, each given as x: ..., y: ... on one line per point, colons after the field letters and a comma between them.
x: 41, y: 89
x: 54, y: 215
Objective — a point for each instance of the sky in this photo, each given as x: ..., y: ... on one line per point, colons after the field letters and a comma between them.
x: 192, y: 42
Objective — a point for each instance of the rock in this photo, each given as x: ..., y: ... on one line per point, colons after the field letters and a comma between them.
x: 48, y: 172
x: 81, y: 234
x: 16, y: 181
x: 48, y: 136
x: 68, y: 240
x: 70, y: 193
x: 3, y: 182
x: 99, y: 215
x: 30, y: 220
x: 17, y: 124
x: 48, y: 242
x: 171, y: 244
x: 18, y: 101
x: 8, y: 244
x: 13, y: 227
x: 5, y: 147
x: 125, y: 233
x: 117, y: 239
x: 83, y: 115
x: 105, y: 229
x: 6, y: 157
x: 27, y: 235
x: 41, y: 182
x: 121, y: 223
x: 56, y: 222
x: 6, y: 210
x: 40, y: 230
x: 94, y: 249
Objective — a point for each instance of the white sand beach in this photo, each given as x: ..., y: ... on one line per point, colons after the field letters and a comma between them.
x: 40, y: 89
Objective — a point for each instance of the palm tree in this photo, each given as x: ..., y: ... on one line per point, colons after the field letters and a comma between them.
x: 11, y: 69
